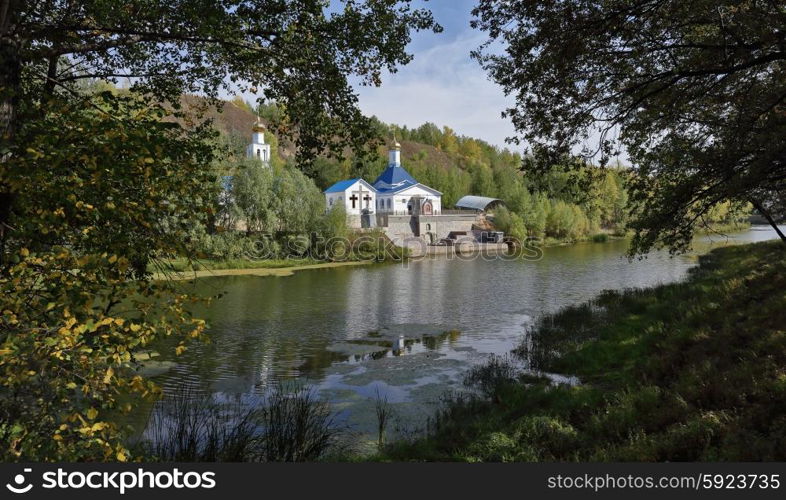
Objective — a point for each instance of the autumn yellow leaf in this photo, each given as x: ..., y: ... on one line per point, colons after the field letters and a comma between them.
x: 108, y: 375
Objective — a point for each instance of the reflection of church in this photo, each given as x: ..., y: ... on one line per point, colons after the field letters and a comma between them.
x: 395, y: 192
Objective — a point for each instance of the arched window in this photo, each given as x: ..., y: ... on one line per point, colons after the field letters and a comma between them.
x: 389, y: 204
x: 259, y: 153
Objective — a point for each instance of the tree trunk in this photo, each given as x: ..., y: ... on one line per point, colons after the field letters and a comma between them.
x: 10, y: 74
x: 758, y: 206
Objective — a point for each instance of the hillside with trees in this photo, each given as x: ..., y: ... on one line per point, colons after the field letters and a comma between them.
x: 572, y: 201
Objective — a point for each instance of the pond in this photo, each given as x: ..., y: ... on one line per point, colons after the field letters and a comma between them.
x: 404, y: 331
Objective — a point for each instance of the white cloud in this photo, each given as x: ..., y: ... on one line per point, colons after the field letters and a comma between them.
x: 444, y: 86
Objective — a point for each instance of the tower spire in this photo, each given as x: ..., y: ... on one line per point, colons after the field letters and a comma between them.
x: 394, y: 155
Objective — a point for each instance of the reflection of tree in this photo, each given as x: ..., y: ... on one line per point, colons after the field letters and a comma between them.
x: 264, y: 329
x: 435, y: 342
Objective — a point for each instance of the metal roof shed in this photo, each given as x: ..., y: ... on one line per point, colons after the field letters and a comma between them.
x: 480, y: 203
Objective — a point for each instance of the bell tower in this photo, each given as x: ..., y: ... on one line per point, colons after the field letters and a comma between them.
x: 258, y: 148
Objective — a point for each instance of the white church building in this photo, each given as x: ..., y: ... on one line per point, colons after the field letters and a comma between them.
x: 394, y: 192
x: 397, y: 203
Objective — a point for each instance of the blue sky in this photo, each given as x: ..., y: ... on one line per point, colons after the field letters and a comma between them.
x: 443, y: 84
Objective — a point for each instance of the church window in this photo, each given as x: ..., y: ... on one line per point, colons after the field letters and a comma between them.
x: 389, y: 199
x: 259, y: 153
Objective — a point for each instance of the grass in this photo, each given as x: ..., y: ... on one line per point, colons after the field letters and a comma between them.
x: 182, y: 264
x: 293, y: 425
x: 692, y: 371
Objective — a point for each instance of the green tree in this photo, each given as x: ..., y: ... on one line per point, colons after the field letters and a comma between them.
x: 695, y: 89
x: 98, y: 196
x: 294, y: 52
x: 253, y: 195
x: 483, y: 181
x: 97, y: 186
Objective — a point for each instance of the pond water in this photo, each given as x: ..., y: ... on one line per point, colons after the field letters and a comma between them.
x: 340, y: 329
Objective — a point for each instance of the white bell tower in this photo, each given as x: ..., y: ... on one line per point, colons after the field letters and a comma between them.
x: 258, y: 149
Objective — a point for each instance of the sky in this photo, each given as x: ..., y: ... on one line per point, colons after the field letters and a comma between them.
x: 443, y: 84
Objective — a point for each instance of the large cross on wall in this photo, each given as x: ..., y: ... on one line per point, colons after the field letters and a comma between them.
x: 358, y: 195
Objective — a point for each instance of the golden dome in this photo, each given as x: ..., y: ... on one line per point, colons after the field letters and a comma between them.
x: 258, y: 127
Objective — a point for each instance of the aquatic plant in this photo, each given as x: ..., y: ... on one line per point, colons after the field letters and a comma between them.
x: 293, y: 425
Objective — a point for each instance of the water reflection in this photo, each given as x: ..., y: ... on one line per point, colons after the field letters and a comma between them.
x: 407, y: 331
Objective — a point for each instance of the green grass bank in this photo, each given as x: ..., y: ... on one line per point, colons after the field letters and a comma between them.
x: 688, y: 371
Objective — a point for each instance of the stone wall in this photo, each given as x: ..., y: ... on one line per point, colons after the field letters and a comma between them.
x: 353, y: 221
x: 400, y: 227
x: 428, y: 229
x: 437, y: 227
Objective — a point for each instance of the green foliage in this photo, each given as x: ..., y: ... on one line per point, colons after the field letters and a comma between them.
x: 576, y: 202
x: 103, y: 185
x: 690, y: 371
x: 205, y: 47
x: 693, y: 92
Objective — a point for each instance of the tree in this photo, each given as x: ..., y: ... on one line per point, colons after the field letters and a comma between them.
x: 293, y: 52
x: 252, y: 194
x: 103, y: 187
x: 98, y: 187
x: 695, y: 90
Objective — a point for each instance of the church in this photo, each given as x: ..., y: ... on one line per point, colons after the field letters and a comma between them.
x: 394, y: 192
x: 408, y: 212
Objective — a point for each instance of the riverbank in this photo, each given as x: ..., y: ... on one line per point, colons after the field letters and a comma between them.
x: 286, y: 267
x: 687, y: 371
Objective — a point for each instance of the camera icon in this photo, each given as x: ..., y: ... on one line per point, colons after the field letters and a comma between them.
x: 19, y: 480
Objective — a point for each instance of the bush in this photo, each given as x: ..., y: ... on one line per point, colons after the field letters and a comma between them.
x: 489, y: 377
x: 600, y: 238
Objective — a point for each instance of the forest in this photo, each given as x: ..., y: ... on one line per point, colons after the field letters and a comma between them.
x: 575, y: 200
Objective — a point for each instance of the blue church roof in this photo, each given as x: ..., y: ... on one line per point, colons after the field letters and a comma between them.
x: 341, y: 186
x: 394, y: 178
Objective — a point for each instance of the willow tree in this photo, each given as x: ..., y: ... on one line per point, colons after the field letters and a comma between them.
x: 693, y: 91
x: 95, y: 185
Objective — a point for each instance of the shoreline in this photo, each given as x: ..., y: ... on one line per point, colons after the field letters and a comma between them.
x: 258, y: 271
x: 666, y: 364
x: 436, y: 252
